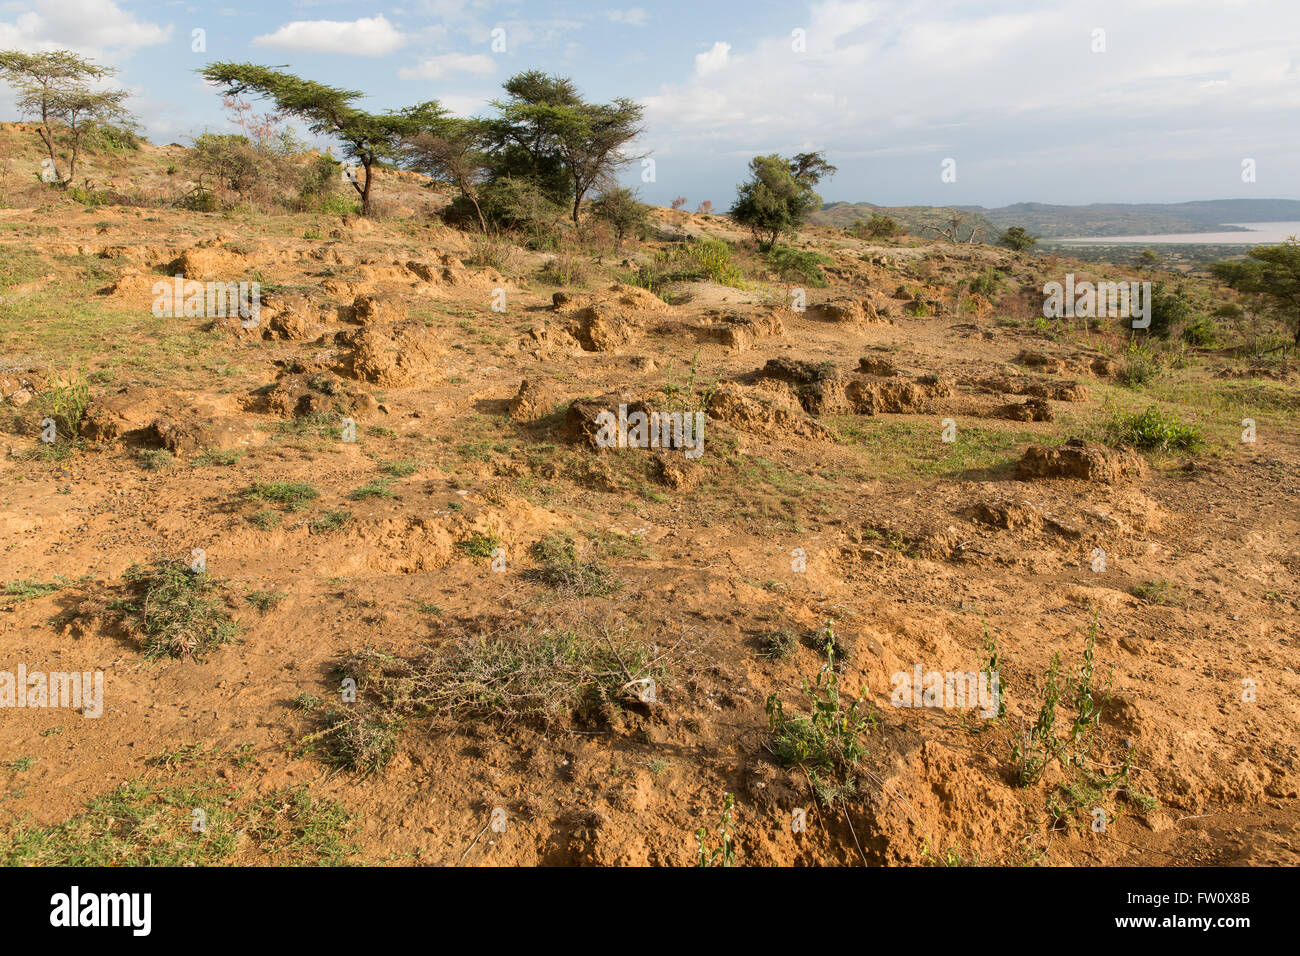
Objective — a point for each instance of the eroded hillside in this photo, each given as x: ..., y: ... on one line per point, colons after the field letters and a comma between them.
x: 567, y: 653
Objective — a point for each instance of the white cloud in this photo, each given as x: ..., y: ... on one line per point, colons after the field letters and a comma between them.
x: 95, y: 28
x: 436, y: 67
x: 1005, y: 79
x: 368, y: 36
x: 715, y: 59
x: 466, y: 104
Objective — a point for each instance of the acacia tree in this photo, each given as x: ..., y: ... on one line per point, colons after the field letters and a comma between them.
x: 522, y: 139
x: 592, y: 141
x: 56, y: 88
x: 1018, y: 238
x: 549, y: 135
x: 1271, y: 274
x: 625, y: 213
x: 453, y: 153
x: 368, y: 138
x: 779, y: 195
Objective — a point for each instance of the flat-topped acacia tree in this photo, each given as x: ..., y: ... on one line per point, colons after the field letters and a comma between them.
x: 55, y: 87
x: 330, y: 111
x: 549, y: 135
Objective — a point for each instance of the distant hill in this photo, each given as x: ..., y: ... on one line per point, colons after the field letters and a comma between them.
x: 1062, y: 222
x: 920, y: 220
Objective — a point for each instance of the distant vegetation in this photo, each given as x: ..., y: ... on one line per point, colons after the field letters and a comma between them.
x: 1017, y: 238
x: 1057, y: 222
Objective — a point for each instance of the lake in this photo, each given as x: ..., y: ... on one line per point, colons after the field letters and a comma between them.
x: 1261, y: 234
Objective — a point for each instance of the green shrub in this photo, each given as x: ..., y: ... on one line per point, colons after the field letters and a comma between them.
x: 623, y: 211
x: 199, y: 200
x: 560, y: 567
x: 480, y: 545
x: 987, y: 283
x: 156, y: 459
x: 1158, y: 592
x: 828, y: 742
x: 1043, y: 744
x: 776, y: 645
x: 725, y: 853
x: 565, y: 268
x: 516, y: 204
x: 1201, y: 332
x: 1139, y: 367
x: 693, y: 261
x: 1168, y: 310
x: 65, y: 403
x: 1152, y: 430
x: 879, y: 226
x: 108, y: 138
x: 174, y: 610
x: 329, y: 521
x: 321, y: 185
x: 801, y: 266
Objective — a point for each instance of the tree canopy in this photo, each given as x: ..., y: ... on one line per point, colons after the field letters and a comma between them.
x: 367, y: 138
x: 779, y: 195
x: 58, y: 89
x: 1018, y: 238
x: 549, y: 135
x: 1271, y: 275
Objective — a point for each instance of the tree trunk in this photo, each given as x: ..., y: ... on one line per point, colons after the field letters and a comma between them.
x: 72, y: 160
x: 577, y: 203
x: 48, y: 139
x: 365, y: 193
x: 469, y: 192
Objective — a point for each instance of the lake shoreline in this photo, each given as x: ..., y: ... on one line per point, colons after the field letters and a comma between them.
x: 1250, y: 234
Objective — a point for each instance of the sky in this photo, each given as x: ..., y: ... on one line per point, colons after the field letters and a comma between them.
x: 915, y: 101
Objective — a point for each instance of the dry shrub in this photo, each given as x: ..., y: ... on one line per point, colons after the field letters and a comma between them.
x: 569, y: 266
x: 495, y: 251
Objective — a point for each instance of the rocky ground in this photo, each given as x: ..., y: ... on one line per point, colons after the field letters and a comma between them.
x: 392, y: 478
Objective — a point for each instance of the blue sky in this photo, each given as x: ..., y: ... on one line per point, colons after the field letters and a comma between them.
x: 1027, y: 98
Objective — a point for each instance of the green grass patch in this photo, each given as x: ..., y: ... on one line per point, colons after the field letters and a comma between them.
x: 190, y: 822
x: 327, y: 522
x: 402, y: 468
x: 374, y: 489
x: 17, y: 591
x: 1159, y: 592
x: 480, y: 545
x: 1152, y: 430
x: 156, y: 459
x: 219, y: 458
x: 292, y: 495
x: 559, y: 566
x: 174, y: 611
x: 264, y: 600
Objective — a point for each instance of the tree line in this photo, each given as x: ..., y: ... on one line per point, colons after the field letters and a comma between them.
x: 545, y: 148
